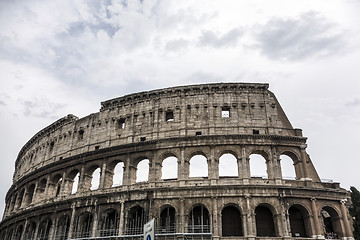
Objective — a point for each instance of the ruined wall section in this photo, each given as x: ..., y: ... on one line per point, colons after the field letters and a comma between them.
x: 166, y: 113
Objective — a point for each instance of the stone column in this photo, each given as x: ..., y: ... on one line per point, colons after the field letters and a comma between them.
x: 215, y: 220
x: 182, y: 216
x: 46, y: 190
x: 95, y: 220
x: 344, y: 214
x: 72, y: 219
x: 304, y: 157
x: 240, y: 167
x: 126, y: 172
x: 121, y: 220
x: 81, y: 184
x: 102, y: 176
x: 213, y: 165
x: 22, y: 237
x: 249, y: 219
x: 284, y: 218
x: 23, y: 200
x: 318, y: 231
x: 53, y: 229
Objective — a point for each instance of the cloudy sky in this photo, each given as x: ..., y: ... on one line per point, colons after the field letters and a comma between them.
x: 60, y: 57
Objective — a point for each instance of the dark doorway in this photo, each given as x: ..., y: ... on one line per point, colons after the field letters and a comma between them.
x: 199, y: 221
x: 167, y: 220
x: 136, y: 220
x: 231, y: 222
x: 264, y: 222
x: 297, y: 223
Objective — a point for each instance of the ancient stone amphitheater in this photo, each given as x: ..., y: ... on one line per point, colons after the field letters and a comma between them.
x: 183, y: 156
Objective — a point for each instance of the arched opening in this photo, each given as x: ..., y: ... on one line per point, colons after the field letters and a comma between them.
x: 13, y: 203
x: 30, y: 231
x: 287, y: 167
x: 198, y: 166
x: 18, y: 233
x: 40, y: 190
x: 56, y: 184
x: 299, y: 221
x: 44, y: 230
x: 118, y: 174
x: 20, y: 199
x: 62, y: 229
x: 231, y: 222
x: 110, y: 223
x: 9, y: 234
x: 167, y: 220
x: 264, y: 222
x: 136, y: 220
x: 83, y: 226
x: 228, y: 166
x: 75, y: 183
x: 331, y: 223
x: 95, y: 179
x: 30, y: 194
x: 142, y: 172
x: 258, y: 166
x: 199, y: 221
x: 169, y: 168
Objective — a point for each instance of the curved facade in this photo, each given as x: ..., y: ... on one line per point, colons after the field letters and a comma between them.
x: 166, y: 154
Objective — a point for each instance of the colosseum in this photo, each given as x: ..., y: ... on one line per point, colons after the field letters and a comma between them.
x: 184, y: 156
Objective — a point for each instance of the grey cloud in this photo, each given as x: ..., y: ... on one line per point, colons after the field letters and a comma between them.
x: 229, y: 39
x: 295, y: 39
x: 41, y: 108
x: 2, y: 103
x: 176, y: 45
x: 354, y: 102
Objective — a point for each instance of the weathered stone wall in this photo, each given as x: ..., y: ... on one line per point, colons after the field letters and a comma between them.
x: 181, y: 122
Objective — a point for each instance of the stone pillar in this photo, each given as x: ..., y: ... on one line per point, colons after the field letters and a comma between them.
x: 249, y: 219
x: 121, y: 220
x: 95, y: 220
x: 240, y: 167
x: 46, y: 190
x: 215, y: 222
x: 53, y: 229
x: 344, y: 213
x: 126, y: 172
x: 72, y: 219
x: 102, y: 176
x: 284, y: 218
x: 213, y: 165
x: 22, y: 237
x: 318, y: 231
x: 303, y: 162
x: 81, y: 184
x: 36, y: 230
x: 182, y: 216
x: 23, y: 200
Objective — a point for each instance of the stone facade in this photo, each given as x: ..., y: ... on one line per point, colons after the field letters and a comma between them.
x: 55, y: 195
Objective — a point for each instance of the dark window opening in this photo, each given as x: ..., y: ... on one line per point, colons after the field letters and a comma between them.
x: 167, y: 220
x: 81, y: 134
x: 44, y: 230
x: 143, y: 139
x: 231, y: 222
x: 97, y: 147
x: 110, y: 224
x: 51, y: 146
x: 256, y: 131
x: 121, y: 123
x: 83, y: 226
x: 62, y: 229
x: 198, y: 133
x: 225, y: 112
x: 297, y: 223
x: 199, y: 221
x: 169, y: 116
x: 264, y: 222
x: 136, y: 221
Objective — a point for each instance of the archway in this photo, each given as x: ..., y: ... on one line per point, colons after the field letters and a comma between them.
x: 331, y: 223
x: 118, y: 174
x: 83, y: 226
x: 110, y: 223
x: 228, y: 165
x: 231, y: 222
x: 287, y: 167
x: 62, y: 229
x: 95, y: 180
x: 258, y: 166
x: 136, y: 220
x: 169, y: 168
x: 167, y: 220
x: 142, y: 172
x: 264, y: 222
x: 199, y: 220
x: 198, y: 166
x: 44, y: 230
x: 299, y: 221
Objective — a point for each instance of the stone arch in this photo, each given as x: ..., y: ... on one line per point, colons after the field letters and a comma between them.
x: 199, y: 219
x: 167, y: 219
x: 44, y: 229
x: 94, y: 173
x: 228, y: 165
x: 29, y: 194
x: 56, y: 184
x: 142, y: 170
x: 231, y: 221
x: 62, y: 228
x: 73, y: 179
x: 258, y: 165
x: 116, y: 169
x: 13, y: 202
x: 109, y: 224
x: 18, y: 232
x: 20, y: 198
x: 83, y: 225
x: 294, y: 169
x: 265, y: 221
x: 299, y: 217
x: 40, y: 190
x: 136, y: 219
x: 198, y: 165
x: 331, y: 222
x: 30, y: 230
x: 169, y: 169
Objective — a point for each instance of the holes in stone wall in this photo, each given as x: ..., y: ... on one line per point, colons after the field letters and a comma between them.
x: 198, y: 166
x: 44, y: 229
x: 142, y: 172
x: 30, y: 194
x: 169, y: 168
x: 63, y: 226
x: 136, y: 221
x: 121, y: 123
x: 231, y: 222
x: 81, y: 134
x: 225, y: 112
x: 118, y: 174
x: 110, y: 223
x: 167, y: 220
x: 75, y: 183
x: 258, y: 166
x: 169, y: 116
x: 264, y: 222
x: 228, y: 165
x: 199, y: 221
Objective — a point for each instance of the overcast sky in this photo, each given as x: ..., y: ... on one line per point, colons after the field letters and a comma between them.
x: 59, y: 57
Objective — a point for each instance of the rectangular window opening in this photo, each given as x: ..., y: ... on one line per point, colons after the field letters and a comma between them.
x: 169, y: 116
x: 198, y: 133
x: 81, y: 134
x: 97, y: 147
x: 225, y: 112
x: 143, y: 139
x: 121, y: 123
x: 255, y: 131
